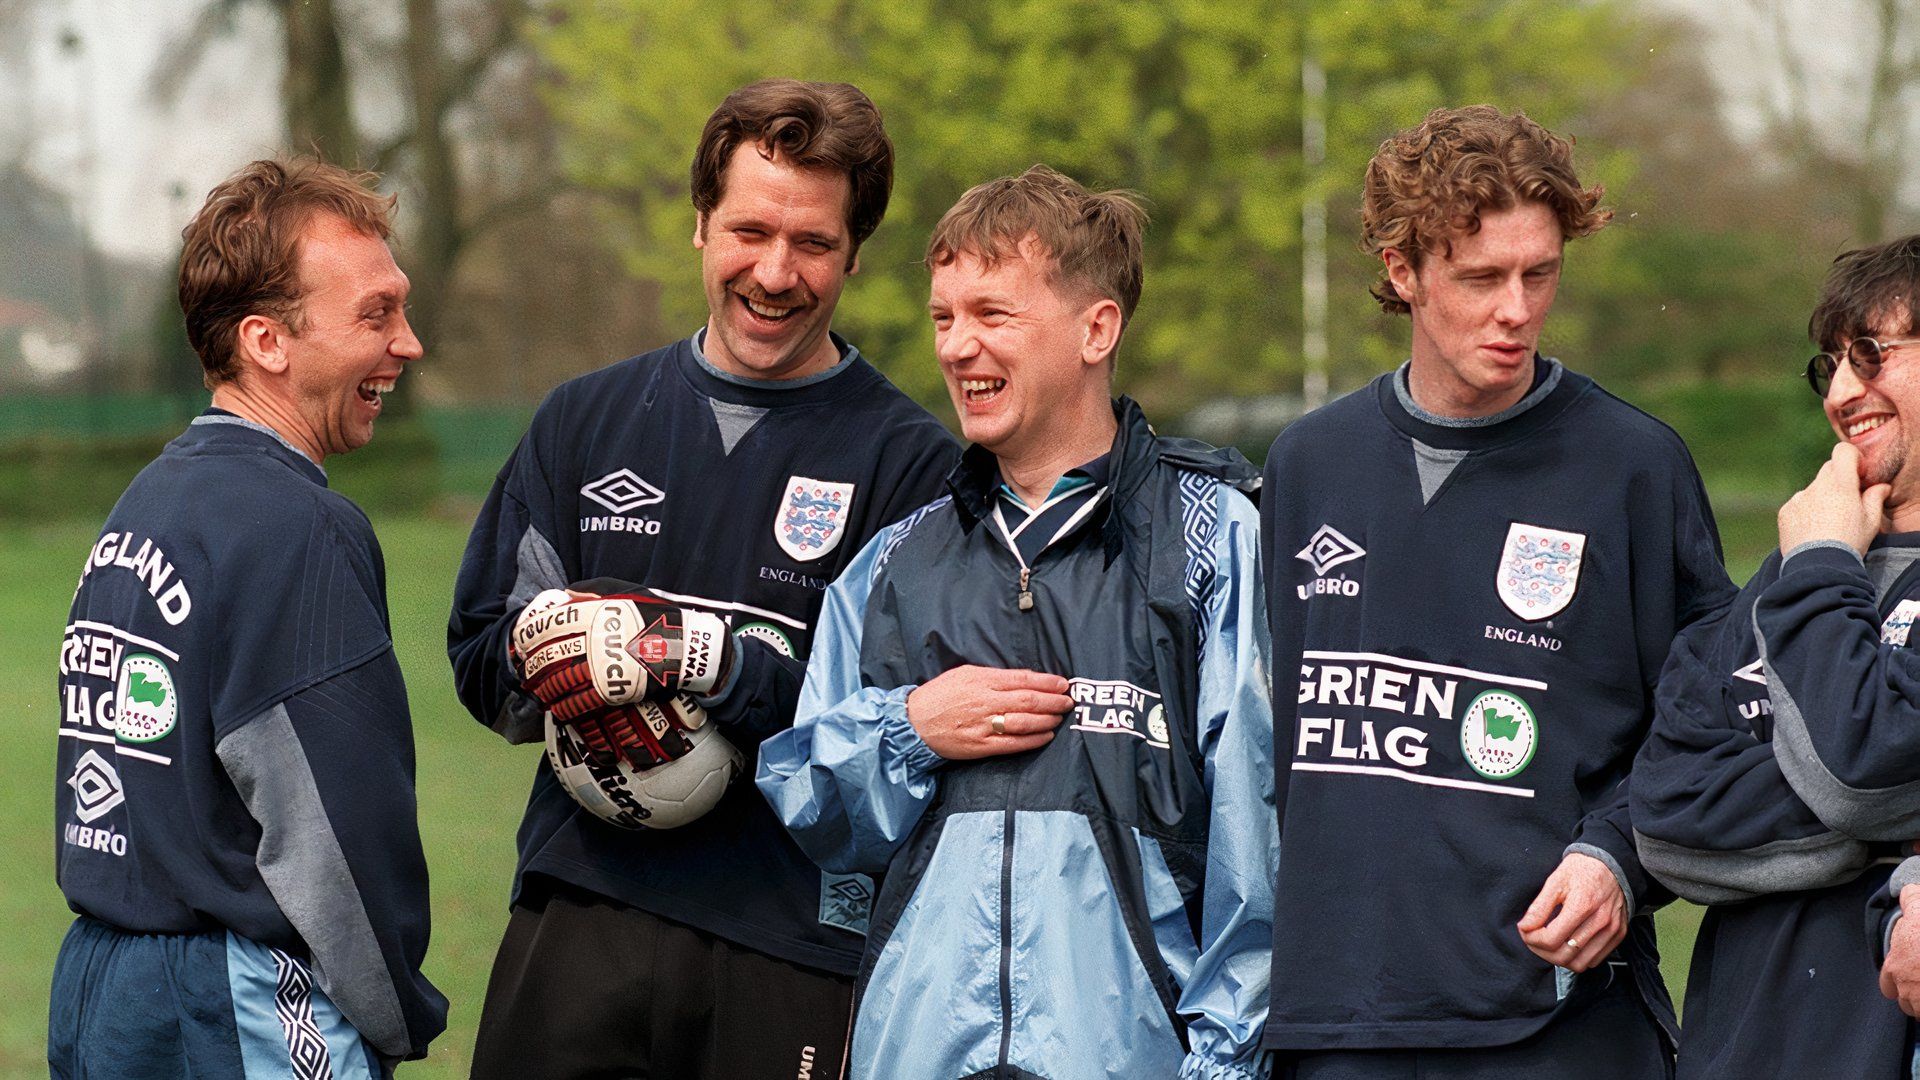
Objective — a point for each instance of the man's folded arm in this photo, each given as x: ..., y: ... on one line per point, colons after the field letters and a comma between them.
x: 1846, y: 708
x: 1714, y: 817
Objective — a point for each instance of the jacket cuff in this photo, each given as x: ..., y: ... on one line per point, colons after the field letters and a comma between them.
x: 1822, y: 553
x: 725, y: 689
x: 1194, y: 1067
x: 902, y: 740
x: 1619, y: 875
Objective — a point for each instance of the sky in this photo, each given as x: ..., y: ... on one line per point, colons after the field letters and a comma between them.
x: 89, y: 125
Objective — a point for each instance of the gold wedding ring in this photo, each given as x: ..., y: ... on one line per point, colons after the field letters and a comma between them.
x: 1573, y: 943
x: 999, y: 723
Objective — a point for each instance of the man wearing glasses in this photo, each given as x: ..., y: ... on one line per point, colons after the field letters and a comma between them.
x: 1780, y: 783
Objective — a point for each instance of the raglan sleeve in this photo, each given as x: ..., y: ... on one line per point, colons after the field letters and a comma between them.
x: 1679, y: 578
x: 1225, y: 999
x: 851, y: 777
x: 760, y: 697
x: 510, y: 558
x: 1846, y: 706
x: 1714, y: 818
x: 312, y: 728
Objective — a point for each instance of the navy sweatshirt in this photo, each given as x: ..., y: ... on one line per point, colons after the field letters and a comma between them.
x: 1467, y: 622
x: 235, y: 748
x: 743, y: 499
x: 1768, y: 790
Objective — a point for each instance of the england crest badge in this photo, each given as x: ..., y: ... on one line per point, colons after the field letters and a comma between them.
x: 1539, y: 569
x: 812, y: 517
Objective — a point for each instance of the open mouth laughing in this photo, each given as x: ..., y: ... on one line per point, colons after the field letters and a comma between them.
x: 371, y: 391
x: 768, y: 312
x: 981, y: 391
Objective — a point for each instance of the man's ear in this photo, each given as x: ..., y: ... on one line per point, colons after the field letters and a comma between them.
x: 1103, y: 323
x: 1401, y: 274
x: 699, y: 230
x: 260, y: 341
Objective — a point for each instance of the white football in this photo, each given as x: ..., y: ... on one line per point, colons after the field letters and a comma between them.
x: 664, y: 797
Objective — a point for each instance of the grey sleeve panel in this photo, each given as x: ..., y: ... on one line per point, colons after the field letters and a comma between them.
x: 1907, y: 873
x: 1727, y: 877
x: 1840, y: 545
x: 521, y: 719
x: 307, y: 873
x: 1887, y: 813
x: 1613, y: 864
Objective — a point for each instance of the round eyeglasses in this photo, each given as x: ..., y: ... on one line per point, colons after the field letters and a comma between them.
x: 1864, y: 353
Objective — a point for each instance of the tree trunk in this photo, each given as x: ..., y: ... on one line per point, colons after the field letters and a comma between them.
x: 319, y: 109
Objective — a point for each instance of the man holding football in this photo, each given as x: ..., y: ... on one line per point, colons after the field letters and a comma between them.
x: 641, y: 588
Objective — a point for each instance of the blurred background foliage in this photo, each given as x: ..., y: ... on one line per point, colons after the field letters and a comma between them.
x: 540, y: 152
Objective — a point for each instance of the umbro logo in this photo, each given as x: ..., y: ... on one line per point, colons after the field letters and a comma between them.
x: 96, y: 787
x: 1752, y: 673
x: 622, y: 491
x: 1328, y: 548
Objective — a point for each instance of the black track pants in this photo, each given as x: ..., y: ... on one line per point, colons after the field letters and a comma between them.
x: 585, y: 987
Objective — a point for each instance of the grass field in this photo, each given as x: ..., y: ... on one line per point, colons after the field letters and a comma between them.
x: 472, y: 786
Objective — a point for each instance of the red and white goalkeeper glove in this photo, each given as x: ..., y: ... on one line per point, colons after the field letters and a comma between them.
x: 579, y: 653
x: 646, y: 734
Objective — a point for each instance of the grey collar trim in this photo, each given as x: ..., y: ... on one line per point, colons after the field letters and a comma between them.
x: 700, y: 354
x: 1534, y: 397
x: 241, y: 421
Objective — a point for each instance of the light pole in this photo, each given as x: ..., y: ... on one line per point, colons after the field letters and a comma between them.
x: 1313, y: 234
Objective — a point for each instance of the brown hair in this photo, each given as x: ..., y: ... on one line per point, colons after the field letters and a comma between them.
x: 1094, y: 238
x: 1865, y: 287
x: 241, y: 252
x: 811, y: 125
x: 1429, y: 183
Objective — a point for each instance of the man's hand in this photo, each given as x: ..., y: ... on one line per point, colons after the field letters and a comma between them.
x: 1592, y: 915
x: 1900, y: 975
x: 955, y: 710
x: 579, y: 653
x: 1834, y: 507
x: 646, y: 734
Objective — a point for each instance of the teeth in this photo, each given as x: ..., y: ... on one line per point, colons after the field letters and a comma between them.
x: 1861, y: 427
x: 377, y: 386
x: 972, y: 386
x: 765, y: 310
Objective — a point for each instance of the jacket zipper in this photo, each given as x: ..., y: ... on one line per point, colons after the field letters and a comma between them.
x: 1006, y: 942
x: 1026, y: 594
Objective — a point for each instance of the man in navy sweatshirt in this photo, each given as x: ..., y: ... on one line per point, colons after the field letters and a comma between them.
x: 733, y: 474
x: 1475, y: 566
x: 235, y: 795
x: 1780, y: 784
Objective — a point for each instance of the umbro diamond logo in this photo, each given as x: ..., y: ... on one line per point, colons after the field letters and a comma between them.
x: 96, y: 787
x: 1752, y: 673
x: 622, y: 491
x: 1328, y: 548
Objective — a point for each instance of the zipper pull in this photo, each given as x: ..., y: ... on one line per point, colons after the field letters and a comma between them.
x: 1026, y: 595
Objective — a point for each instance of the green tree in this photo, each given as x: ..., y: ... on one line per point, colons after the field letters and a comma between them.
x: 1196, y: 105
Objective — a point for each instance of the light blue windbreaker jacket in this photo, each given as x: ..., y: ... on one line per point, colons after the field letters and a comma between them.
x: 1097, y: 908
